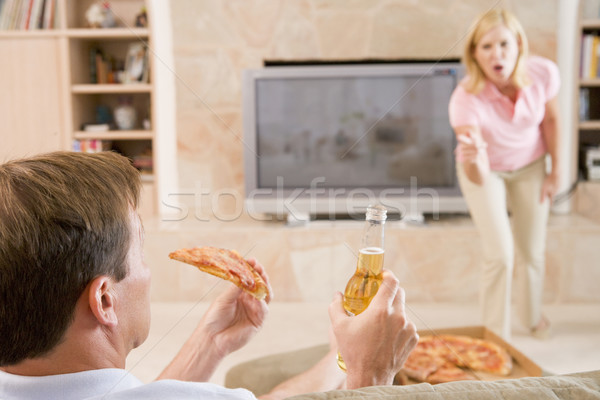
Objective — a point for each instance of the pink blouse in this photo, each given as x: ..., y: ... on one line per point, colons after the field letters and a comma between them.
x: 511, y: 130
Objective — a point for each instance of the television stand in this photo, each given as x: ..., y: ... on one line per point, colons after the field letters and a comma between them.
x: 297, y: 219
x: 414, y: 218
x: 302, y: 219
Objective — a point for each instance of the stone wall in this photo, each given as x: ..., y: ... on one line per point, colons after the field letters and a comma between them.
x: 214, y: 40
x: 439, y: 262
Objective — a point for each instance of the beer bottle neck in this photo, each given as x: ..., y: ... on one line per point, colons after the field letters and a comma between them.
x: 372, y: 250
x: 373, y: 234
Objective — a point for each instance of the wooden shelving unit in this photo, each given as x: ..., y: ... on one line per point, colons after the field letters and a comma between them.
x: 49, y: 93
x: 588, y: 88
x: 114, y: 135
x: 111, y: 88
x: 109, y: 33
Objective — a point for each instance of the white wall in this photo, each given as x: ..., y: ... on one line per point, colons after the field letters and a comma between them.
x: 567, y: 41
x: 165, y: 144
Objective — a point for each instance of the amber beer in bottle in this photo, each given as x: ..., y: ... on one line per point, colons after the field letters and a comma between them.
x: 365, y: 282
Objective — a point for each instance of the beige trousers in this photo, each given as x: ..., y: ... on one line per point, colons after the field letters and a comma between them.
x: 488, y: 207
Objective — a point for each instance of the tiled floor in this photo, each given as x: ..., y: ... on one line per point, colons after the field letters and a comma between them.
x: 574, y: 347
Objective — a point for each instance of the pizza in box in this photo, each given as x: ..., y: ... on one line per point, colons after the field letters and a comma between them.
x: 448, y: 358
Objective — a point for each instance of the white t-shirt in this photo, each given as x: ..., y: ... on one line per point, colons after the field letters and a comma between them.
x: 109, y: 384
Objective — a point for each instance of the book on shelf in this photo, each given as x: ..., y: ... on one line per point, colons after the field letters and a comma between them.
x: 36, y: 14
x: 103, y: 69
x: 92, y: 61
x: 7, y: 14
x: 91, y: 145
x: 96, y: 127
x: 584, y: 104
x: 143, y: 162
x: 24, y: 14
x: 49, y: 11
x: 27, y: 14
x: 589, y: 67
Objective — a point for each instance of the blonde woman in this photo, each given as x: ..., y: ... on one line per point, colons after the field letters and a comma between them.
x: 504, y: 114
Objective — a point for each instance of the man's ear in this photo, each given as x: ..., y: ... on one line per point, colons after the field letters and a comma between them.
x: 102, y: 300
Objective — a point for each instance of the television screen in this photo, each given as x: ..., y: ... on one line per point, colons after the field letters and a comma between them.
x: 370, y: 126
x: 381, y: 130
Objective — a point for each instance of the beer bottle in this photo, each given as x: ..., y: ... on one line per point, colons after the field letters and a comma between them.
x: 365, y: 282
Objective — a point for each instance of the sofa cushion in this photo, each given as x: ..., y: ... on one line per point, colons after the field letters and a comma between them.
x: 581, y: 386
x: 261, y: 375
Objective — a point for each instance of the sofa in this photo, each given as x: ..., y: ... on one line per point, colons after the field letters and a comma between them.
x: 262, y: 374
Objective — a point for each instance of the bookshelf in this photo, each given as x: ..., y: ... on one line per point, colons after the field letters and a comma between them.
x: 71, y: 76
x: 588, y: 86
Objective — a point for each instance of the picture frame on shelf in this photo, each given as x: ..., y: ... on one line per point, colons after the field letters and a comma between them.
x: 136, y: 64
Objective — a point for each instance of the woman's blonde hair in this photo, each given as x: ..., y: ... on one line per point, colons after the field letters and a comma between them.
x: 482, y: 25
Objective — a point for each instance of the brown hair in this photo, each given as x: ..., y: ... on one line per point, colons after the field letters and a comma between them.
x: 64, y: 220
x: 483, y: 25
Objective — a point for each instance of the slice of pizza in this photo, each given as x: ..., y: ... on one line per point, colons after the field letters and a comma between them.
x: 449, y: 373
x: 226, y: 264
x: 489, y: 357
x: 456, y: 348
x: 420, y: 364
x: 477, y: 354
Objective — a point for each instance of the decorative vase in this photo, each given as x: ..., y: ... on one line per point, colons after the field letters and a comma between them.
x: 125, y: 115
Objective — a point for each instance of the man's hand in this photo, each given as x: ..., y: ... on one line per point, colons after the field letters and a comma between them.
x: 235, y: 316
x: 230, y: 322
x: 376, y: 343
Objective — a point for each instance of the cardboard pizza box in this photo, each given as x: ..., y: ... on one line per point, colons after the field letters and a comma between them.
x: 522, y: 365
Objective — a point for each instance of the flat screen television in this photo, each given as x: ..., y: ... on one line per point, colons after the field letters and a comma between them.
x: 328, y: 140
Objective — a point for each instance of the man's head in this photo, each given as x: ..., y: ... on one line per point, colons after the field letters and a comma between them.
x: 65, y: 219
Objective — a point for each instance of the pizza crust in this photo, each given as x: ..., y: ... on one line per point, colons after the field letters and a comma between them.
x: 449, y: 373
x: 225, y: 264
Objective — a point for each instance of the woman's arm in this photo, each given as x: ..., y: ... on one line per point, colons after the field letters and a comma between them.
x: 472, y: 153
x: 550, y: 132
